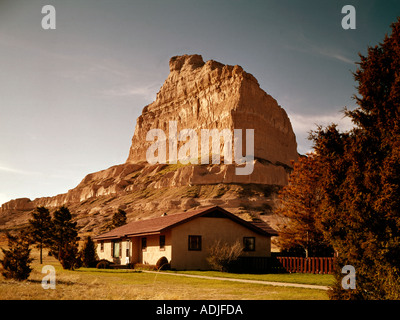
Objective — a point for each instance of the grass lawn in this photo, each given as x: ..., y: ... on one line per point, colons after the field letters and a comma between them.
x: 91, y: 283
x: 303, y: 278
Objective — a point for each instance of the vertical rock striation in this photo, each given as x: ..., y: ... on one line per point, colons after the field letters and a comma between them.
x: 210, y: 95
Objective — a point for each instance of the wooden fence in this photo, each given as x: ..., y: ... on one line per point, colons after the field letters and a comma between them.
x: 256, y: 265
x: 307, y: 265
x: 318, y: 265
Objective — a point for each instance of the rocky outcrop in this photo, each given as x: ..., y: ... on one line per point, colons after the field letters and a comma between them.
x: 209, y: 95
x: 196, y: 95
x: 22, y: 204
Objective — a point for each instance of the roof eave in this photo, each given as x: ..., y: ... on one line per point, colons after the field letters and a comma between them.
x: 100, y: 238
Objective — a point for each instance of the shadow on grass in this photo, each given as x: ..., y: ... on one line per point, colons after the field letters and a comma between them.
x: 68, y: 283
x: 113, y: 271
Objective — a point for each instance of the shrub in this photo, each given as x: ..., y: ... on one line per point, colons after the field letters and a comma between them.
x: 162, y: 264
x: 103, y: 264
x: 221, y: 255
x: 144, y: 266
x: 69, y: 257
x: 16, y: 260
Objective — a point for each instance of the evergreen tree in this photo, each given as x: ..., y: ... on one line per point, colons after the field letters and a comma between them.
x: 64, y: 233
x: 40, y: 228
x: 88, y: 253
x: 69, y: 256
x: 360, y: 213
x: 119, y: 218
x: 16, y: 260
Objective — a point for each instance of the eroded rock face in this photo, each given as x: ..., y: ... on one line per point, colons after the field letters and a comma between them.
x: 18, y: 204
x: 209, y: 95
x: 197, y: 95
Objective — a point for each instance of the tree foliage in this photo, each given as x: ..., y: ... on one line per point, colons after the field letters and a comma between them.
x: 64, y: 238
x: 16, y: 259
x: 40, y: 228
x: 69, y: 256
x: 299, y: 202
x: 360, y: 178
x: 119, y: 218
x: 88, y: 253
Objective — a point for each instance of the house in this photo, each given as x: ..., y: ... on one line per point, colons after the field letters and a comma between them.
x: 183, y: 238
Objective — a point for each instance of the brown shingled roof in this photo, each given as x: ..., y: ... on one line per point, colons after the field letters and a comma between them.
x: 160, y: 224
x: 265, y: 226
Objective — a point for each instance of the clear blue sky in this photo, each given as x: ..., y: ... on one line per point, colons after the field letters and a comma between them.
x: 69, y: 97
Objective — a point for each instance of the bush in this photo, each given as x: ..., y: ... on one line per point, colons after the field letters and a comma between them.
x: 16, y: 260
x: 162, y: 264
x: 221, y: 255
x: 103, y: 264
x: 69, y: 257
x: 145, y: 266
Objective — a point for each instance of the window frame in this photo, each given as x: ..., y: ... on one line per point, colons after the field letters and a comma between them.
x: 245, y: 247
x: 199, y: 247
x: 128, y: 248
x: 162, y: 243
x: 113, y: 251
x: 143, y: 243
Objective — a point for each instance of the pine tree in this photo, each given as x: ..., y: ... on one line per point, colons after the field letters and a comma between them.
x: 69, y: 256
x: 119, y: 218
x: 361, y: 178
x: 64, y: 232
x: 40, y: 228
x: 16, y: 260
x: 88, y: 253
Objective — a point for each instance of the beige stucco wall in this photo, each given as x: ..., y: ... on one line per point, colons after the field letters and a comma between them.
x: 150, y: 255
x: 153, y: 252
x: 176, y: 244
x: 106, y: 253
x: 211, y: 229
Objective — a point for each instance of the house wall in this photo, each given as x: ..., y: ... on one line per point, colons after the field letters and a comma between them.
x: 153, y: 252
x: 176, y: 250
x: 106, y: 252
x: 150, y: 255
x: 135, y: 250
x: 211, y: 229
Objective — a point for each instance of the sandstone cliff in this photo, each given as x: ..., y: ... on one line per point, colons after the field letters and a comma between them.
x: 211, y: 95
x: 197, y: 95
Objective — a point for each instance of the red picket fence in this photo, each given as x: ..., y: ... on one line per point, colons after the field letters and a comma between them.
x: 321, y: 265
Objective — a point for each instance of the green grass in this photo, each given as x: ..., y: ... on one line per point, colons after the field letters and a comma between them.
x: 91, y: 283
x: 300, y: 278
x: 171, y: 168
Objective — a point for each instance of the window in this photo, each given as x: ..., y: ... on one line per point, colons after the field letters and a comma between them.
x: 249, y: 244
x: 101, y: 246
x: 116, y: 246
x: 144, y: 243
x: 194, y: 243
x: 162, y: 242
x: 128, y: 244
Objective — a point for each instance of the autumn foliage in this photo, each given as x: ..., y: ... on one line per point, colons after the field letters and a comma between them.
x: 352, y: 182
x: 299, y: 203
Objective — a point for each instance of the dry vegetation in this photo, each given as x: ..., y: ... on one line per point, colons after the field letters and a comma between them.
x: 93, y: 284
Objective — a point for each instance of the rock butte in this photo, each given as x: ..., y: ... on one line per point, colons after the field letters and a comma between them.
x: 210, y: 95
x: 198, y: 95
